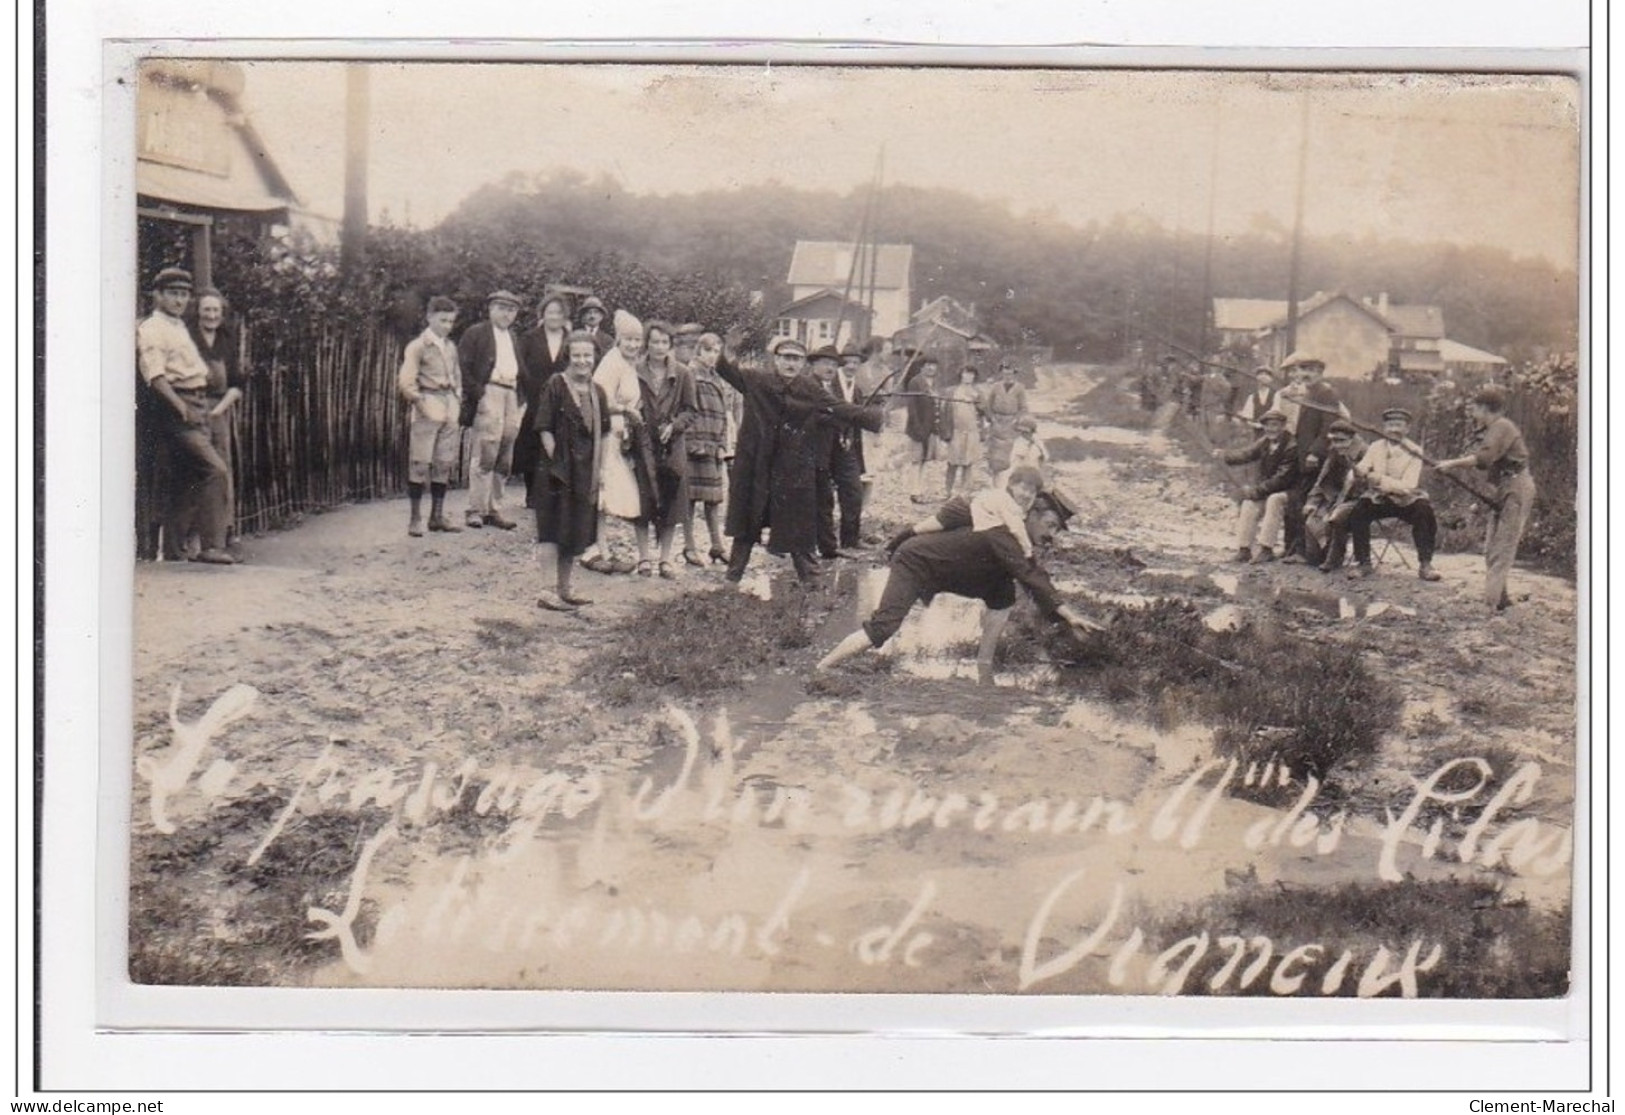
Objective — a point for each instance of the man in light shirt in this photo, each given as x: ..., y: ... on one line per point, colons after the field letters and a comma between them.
x: 432, y: 383
x: 1392, y: 473
x: 172, y: 366
x: 494, y: 385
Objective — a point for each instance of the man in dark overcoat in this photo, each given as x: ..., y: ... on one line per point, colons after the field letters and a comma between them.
x: 774, y: 483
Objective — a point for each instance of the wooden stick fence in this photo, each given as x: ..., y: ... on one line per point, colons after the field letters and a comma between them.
x: 320, y: 425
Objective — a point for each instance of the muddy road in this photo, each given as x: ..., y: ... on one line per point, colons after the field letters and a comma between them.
x: 384, y: 766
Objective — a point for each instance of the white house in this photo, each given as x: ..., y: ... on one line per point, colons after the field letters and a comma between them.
x: 886, y: 269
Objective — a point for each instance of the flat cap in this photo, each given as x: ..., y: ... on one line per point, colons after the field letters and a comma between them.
x: 1398, y: 412
x: 825, y: 352
x: 172, y: 277
x: 507, y: 296
x: 1301, y: 358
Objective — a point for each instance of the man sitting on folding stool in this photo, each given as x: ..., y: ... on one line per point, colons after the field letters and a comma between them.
x: 1392, y: 472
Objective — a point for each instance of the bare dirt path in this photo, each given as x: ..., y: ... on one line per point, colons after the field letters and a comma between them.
x: 429, y: 785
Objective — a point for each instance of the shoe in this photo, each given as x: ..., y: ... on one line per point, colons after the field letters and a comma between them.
x: 846, y: 553
x: 622, y: 566
x: 598, y: 564
x: 1244, y: 556
x: 441, y: 524
x: 573, y: 600
x: 693, y: 558
x: 415, y: 527
x: 1329, y: 567
x: 1361, y: 571
x: 1294, y: 559
x: 553, y: 602
x: 1264, y: 556
x: 645, y: 569
x: 717, y: 556
x: 473, y: 521
x: 667, y: 571
x: 496, y: 520
x: 214, y: 557
x: 1426, y: 572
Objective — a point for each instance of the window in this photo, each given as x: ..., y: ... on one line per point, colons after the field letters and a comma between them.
x: 823, y: 330
x: 782, y: 327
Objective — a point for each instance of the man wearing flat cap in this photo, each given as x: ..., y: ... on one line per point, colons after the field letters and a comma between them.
x: 174, y: 369
x: 495, y: 384
x: 1391, y: 471
x: 1499, y: 449
x: 1263, y: 502
x: 982, y: 548
x: 774, y: 483
x: 840, y: 473
x: 1311, y: 406
x: 1332, y: 496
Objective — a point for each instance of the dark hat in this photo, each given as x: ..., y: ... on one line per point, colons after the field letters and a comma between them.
x: 507, y: 296
x: 1398, y: 412
x: 592, y: 302
x: 171, y: 277
x: 1273, y: 414
x: 825, y: 352
x: 788, y: 343
x: 1343, y: 427
x: 1492, y: 397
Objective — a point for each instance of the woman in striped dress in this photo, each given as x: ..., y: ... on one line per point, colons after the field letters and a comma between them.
x: 707, y: 448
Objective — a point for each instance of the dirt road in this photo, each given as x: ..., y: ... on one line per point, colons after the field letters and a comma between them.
x: 426, y: 787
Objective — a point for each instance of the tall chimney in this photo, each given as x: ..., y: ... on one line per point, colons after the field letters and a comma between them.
x: 357, y: 113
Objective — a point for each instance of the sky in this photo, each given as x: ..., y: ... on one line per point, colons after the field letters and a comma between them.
x: 1470, y: 160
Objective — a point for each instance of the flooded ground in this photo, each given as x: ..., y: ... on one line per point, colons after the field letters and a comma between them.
x: 424, y: 786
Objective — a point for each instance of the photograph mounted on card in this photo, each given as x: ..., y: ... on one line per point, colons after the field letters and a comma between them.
x: 699, y: 527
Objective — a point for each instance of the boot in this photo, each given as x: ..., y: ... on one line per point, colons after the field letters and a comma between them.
x: 1264, y: 556
x: 1426, y: 572
x: 1244, y: 555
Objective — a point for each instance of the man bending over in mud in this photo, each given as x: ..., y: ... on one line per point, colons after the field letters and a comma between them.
x: 980, y: 548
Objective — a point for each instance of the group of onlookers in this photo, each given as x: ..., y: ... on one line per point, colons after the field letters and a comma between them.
x: 966, y: 424
x: 1319, y: 484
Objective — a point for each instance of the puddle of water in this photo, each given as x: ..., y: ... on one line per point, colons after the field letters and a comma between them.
x: 1177, y: 750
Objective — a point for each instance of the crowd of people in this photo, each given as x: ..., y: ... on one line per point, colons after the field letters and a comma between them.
x: 625, y: 436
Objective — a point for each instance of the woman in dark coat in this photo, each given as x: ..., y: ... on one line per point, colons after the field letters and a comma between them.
x: 217, y: 343
x: 670, y: 407
x: 546, y: 353
x: 571, y: 421
x: 930, y: 422
x: 774, y: 478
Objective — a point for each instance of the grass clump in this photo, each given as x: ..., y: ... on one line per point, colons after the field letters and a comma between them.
x: 1313, y: 706
x: 698, y: 644
x: 1489, y: 949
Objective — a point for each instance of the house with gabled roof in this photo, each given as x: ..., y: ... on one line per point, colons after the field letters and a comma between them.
x: 201, y: 167
x: 886, y: 270
x: 1358, y: 337
x: 818, y: 319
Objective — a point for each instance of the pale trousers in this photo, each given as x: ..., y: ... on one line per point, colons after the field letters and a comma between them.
x: 1261, y: 517
x: 1506, y: 528
x: 496, y: 426
x: 433, y: 438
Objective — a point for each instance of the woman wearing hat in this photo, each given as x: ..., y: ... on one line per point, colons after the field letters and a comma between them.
x: 546, y: 353
x: 670, y: 407
x: 590, y: 319
x: 1005, y: 401
x: 964, y: 447
x: 628, y: 489
x: 571, y: 421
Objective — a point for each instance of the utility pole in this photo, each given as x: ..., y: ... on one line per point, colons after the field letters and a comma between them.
x: 1297, y: 232
x: 357, y: 114
x: 1212, y: 208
